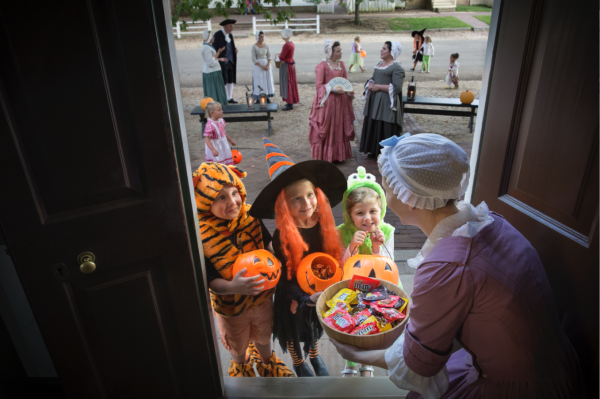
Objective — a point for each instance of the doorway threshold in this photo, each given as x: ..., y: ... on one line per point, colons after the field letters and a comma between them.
x: 312, y: 387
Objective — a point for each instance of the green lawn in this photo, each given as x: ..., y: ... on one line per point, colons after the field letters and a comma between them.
x: 484, y: 18
x: 474, y: 8
x: 429, y: 23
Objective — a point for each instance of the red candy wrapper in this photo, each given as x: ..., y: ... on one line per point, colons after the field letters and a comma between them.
x: 371, y: 326
x: 341, y: 320
x: 361, y: 316
x: 390, y: 314
x: 390, y: 302
x: 364, y: 284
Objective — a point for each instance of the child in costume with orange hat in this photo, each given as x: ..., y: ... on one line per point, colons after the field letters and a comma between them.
x: 299, y: 198
x: 242, y: 309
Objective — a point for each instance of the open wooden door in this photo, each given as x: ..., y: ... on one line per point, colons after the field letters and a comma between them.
x: 88, y: 143
x: 538, y: 161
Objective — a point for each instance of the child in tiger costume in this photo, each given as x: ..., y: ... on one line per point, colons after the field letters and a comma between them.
x: 299, y: 198
x: 244, y: 313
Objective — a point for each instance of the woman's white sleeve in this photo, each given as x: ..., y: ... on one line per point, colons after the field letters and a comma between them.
x: 404, y: 378
x: 208, y: 57
x: 254, y: 59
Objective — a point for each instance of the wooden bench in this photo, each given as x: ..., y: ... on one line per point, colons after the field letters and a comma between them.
x: 441, y: 102
x: 242, y: 109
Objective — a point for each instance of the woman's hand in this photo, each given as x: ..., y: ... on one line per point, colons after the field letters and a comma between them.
x: 222, y: 59
x: 346, y: 351
x: 219, y: 51
x: 377, y: 240
x: 315, y: 297
x: 246, y: 285
x: 357, y: 239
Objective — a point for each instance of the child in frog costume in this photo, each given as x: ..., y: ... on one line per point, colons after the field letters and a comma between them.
x: 364, y: 231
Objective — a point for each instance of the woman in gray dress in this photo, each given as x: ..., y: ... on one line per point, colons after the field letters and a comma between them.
x: 383, y: 108
x: 262, y: 75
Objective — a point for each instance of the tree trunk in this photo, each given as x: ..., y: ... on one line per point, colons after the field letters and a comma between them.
x: 356, y: 13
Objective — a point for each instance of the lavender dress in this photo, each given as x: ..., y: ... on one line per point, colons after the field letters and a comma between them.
x: 491, y: 293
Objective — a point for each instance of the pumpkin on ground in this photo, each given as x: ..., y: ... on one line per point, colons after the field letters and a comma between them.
x: 307, y: 279
x: 205, y: 101
x: 467, y: 97
x: 373, y: 266
x: 259, y: 263
x: 237, y: 156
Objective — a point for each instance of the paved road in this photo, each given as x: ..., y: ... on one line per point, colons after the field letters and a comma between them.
x: 307, y: 56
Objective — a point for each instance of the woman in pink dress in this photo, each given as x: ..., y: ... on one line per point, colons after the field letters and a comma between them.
x: 332, y: 116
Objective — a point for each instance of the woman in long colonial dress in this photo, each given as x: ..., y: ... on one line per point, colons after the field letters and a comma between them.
x: 478, y: 281
x: 332, y: 116
x: 212, y: 78
x: 288, y: 85
x: 383, y: 116
x: 262, y: 75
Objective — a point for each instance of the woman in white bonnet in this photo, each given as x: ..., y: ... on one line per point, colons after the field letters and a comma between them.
x: 478, y: 281
x: 262, y: 75
x: 212, y: 77
x: 383, y: 116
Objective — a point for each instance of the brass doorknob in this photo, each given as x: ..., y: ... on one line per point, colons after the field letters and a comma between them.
x: 86, y: 262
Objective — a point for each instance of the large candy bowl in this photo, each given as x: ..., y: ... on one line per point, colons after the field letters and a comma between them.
x: 377, y: 341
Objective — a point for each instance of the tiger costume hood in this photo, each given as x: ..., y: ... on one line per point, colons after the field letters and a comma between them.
x: 216, y: 233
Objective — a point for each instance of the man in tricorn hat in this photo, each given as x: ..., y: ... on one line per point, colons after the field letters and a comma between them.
x: 224, y: 38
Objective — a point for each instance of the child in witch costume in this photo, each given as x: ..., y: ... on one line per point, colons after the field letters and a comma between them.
x: 299, y: 197
x: 243, y: 311
x: 364, y: 231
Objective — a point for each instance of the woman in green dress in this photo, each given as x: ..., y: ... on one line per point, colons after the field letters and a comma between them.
x: 212, y: 78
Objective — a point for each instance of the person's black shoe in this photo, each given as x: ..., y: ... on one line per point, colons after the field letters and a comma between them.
x: 232, y: 101
x: 303, y: 370
x: 288, y: 107
x: 412, y: 69
x: 320, y: 368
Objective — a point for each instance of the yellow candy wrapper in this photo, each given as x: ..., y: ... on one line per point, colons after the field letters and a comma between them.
x: 345, y: 295
x: 335, y: 307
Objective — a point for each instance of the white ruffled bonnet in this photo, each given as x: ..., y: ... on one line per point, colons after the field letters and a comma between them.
x: 207, y: 35
x: 286, y: 33
x: 425, y: 171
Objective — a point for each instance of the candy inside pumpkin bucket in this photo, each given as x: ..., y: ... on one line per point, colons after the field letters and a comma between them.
x: 317, y: 272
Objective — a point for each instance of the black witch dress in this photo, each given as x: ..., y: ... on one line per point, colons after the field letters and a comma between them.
x: 383, y: 115
x: 303, y: 326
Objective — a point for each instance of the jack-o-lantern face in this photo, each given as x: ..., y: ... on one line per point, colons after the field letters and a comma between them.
x: 259, y: 263
x: 237, y: 156
x: 307, y: 279
x: 373, y: 266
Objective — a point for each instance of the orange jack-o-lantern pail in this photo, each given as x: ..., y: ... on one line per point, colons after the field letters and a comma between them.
x: 259, y: 262
x: 373, y: 266
x: 307, y: 279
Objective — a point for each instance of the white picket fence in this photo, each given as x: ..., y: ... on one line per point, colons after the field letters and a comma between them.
x: 291, y: 23
x: 192, y: 28
x: 375, y: 5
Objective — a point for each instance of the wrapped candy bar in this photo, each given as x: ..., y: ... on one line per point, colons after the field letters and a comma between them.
x: 368, y: 327
x: 345, y: 295
x: 401, y: 305
x: 337, y: 305
x: 340, y: 320
x: 364, y: 284
x: 389, y: 302
x: 361, y: 316
x: 375, y: 295
x: 390, y: 314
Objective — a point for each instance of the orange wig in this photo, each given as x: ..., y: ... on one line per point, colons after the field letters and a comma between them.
x: 292, y: 244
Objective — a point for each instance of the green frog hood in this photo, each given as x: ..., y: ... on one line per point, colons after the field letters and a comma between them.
x: 347, y: 229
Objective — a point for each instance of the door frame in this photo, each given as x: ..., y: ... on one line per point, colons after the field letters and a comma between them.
x: 262, y: 388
